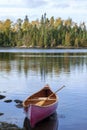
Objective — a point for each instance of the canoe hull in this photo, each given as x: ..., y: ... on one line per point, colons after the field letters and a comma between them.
x: 50, y: 123
x: 37, y: 113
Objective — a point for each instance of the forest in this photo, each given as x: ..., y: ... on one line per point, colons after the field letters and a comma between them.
x: 43, y: 33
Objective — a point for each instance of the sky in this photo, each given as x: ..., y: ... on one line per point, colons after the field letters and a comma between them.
x: 14, y: 9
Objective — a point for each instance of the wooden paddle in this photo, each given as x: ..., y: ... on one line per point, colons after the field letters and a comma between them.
x: 40, y: 103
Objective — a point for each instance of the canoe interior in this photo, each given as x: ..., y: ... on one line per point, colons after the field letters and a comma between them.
x: 40, y: 96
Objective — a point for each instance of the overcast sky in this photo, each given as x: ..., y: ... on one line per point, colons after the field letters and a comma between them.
x: 14, y: 9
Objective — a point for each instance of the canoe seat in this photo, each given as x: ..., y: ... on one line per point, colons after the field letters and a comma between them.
x: 45, y: 101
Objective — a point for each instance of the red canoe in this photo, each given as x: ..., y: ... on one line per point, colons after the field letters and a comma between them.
x: 40, y: 105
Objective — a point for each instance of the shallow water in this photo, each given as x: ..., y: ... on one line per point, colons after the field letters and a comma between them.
x: 25, y: 71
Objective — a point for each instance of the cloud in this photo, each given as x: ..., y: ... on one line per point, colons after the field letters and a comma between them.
x: 75, y: 9
x: 22, y: 3
x: 78, y: 4
x: 11, y: 3
x: 35, y: 3
x: 19, y: 8
x: 62, y: 5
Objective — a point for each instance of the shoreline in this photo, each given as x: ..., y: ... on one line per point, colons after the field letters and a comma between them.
x: 59, y: 47
x: 9, y: 126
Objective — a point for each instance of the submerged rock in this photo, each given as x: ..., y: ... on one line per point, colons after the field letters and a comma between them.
x: 19, y: 105
x: 61, y: 116
x: 2, y: 96
x: 8, y: 101
x: 18, y: 101
x: 1, y: 114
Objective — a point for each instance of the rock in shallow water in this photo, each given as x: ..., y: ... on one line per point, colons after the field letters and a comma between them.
x: 19, y: 105
x: 17, y: 101
x: 2, y: 96
x: 1, y: 114
x: 8, y: 101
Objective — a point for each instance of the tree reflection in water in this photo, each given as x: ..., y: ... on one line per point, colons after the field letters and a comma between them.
x: 41, y: 63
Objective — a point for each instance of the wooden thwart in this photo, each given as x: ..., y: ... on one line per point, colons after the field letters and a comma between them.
x: 41, y: 99
x: 40, y: 103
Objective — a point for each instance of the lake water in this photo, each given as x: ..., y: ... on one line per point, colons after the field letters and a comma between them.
x: 25, y: 71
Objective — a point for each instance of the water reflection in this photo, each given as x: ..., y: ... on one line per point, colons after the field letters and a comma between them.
x: 50, y: 123
x: 42, y: 64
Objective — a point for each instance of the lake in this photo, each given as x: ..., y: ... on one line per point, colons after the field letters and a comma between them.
x: 25, y: 71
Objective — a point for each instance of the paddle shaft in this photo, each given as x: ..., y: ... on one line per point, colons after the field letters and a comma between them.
x: 56, y: 91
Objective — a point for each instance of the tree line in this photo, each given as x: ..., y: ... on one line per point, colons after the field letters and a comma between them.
x: 43, y: 33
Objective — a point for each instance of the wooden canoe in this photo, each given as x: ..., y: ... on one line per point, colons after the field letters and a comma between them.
x: 40, y: 105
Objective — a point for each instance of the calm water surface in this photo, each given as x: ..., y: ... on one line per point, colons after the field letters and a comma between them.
x: 25, y: 71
